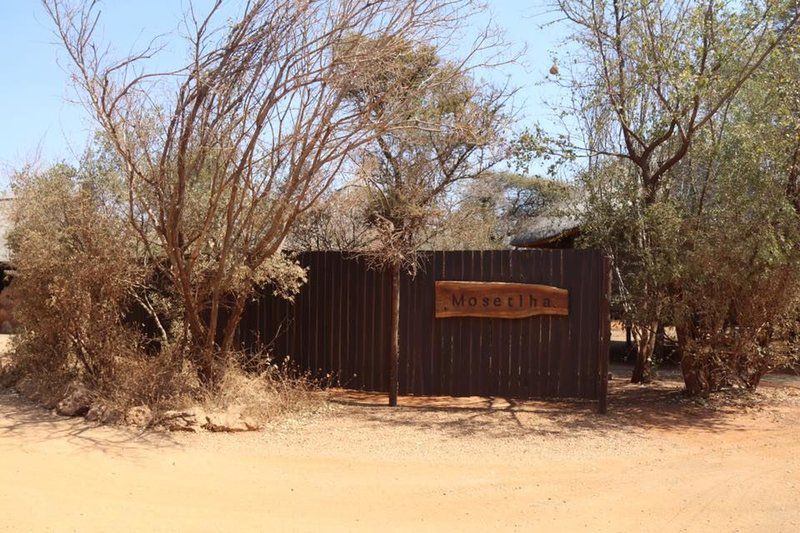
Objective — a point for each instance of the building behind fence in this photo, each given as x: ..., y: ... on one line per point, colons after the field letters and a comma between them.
x: 338, y: 326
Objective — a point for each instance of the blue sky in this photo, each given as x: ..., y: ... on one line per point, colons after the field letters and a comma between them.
x: 39, y: 121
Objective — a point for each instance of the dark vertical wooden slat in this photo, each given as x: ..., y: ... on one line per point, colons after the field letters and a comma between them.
x: 344, y: 292
x: 485, y: 337
x: 433, y: 355
x: 605, y: 333
x: 312, y: 289
x: 474, y: 327
x: 435, y: 384
x: 572, y: 271
x: 372, y: 311
x: 459, y: 358
x: 405, y: 335
x: 516, y: 327
x: 592, y: 319
x: 446, y: 327
x: 551, y: 382
x: 305, y: 294
x: 322, y: 314
x: 568, y: 364
x: 333, y: 316
x: 585, y: 260
x: 500, y: 344
x: 361, y: 325
x: 426, y: 352
x: 495, y: 338
x: 381, y: 332
x: 419, y: 289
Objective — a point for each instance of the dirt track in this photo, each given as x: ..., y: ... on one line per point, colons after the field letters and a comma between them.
x: 656, y: 463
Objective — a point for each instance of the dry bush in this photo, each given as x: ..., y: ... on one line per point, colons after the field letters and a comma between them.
x: 76, y: 274
x: 77, y: 279
x: 270, y: 391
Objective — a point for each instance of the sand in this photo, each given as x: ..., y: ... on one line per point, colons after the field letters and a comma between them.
x: 656, y: 463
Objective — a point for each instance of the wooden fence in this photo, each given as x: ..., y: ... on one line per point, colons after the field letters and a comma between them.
x: 338, y: 326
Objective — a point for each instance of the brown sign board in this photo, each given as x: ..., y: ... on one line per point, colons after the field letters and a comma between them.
x: 499, y: 300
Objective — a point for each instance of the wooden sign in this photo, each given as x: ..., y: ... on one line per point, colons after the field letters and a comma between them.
x: 499, y: 300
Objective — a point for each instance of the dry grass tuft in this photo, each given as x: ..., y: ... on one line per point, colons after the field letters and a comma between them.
x: 268, y: 392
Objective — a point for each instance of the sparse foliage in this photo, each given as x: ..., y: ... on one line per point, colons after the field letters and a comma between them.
x: 408, y: 174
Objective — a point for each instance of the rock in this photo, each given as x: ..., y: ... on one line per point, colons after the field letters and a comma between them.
x: 189, y: 420
x: 139, y: 416
x: 75, y: 403
x: 228, y: 421
x: 224, y: 422
x: 103, y: 414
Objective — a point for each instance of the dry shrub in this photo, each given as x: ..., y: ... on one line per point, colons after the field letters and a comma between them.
x: 267, y: 392
x: 78, y: 275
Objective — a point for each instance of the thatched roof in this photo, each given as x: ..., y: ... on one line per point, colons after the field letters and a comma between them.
x: 543, y: 230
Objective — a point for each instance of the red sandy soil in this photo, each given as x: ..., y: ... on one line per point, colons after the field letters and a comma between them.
x: 656, y: 462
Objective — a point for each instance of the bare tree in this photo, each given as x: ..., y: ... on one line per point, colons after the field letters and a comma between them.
x: 223, y: 154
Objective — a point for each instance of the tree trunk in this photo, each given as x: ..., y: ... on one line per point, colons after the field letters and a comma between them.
x: 394, y: 351
x: 628, y: 339
x: 645, y: 346
x: 693, y: 379
x: 696, y: 379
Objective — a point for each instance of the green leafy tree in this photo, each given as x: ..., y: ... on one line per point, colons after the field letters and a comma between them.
x: 651, y: 80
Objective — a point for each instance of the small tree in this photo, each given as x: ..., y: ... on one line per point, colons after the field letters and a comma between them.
x: 220, y: 157
x: 408, y: 174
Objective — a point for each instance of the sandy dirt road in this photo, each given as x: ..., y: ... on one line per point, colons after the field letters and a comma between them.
x: 654, y: 464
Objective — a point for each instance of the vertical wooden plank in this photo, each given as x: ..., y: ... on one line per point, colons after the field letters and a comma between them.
x: 381, y: 331
x: 322, y: 315
x: 405, y: 335
x: 311, y: 290
x: 572, y: 270
x: 446, y: 336
x: 443, y: 339
x: 305, y: 293
x: 433, y: 355
x: 567, y: 363
x: 495, y: 339
x: 591, y: 319
x: 500, y: 343
x: 586, y: 259
x: 604, y: 334
x: 333, y: 318
x: 369, y: 330
x: 425, y: 289
x: 363, y: 346
x: 474, y: 326
x: 485, y: 345
x: 346, y: 294
x: 516, y: 329
x: 459, y: 356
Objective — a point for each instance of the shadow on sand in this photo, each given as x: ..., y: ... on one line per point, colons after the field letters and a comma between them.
x: 633, y: 409
x: 22, y: 419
